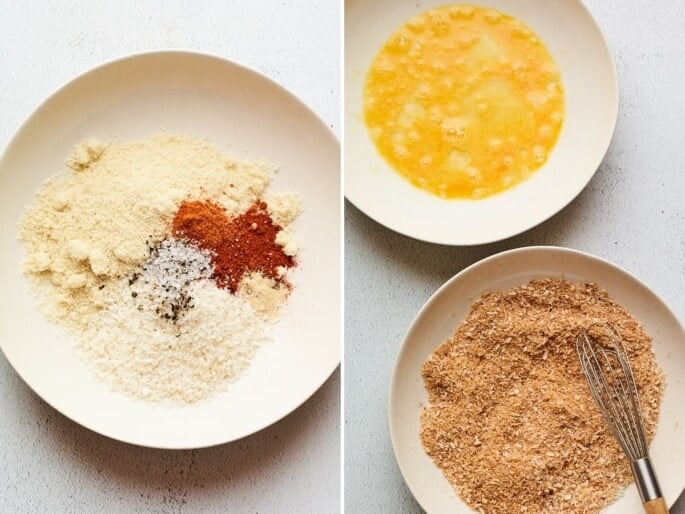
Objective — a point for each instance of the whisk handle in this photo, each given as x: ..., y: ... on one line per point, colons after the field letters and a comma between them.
x: 657, y: 506
x: 648, y: 486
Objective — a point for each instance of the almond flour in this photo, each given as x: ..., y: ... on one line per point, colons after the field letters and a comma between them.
x: 511, y: 422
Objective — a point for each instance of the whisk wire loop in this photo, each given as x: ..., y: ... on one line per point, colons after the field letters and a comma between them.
x: 605, y: 364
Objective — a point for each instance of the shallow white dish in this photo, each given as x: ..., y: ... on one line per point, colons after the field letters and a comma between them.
x: 589, y: 78
x: 239, y: 111
x: 444, y: 311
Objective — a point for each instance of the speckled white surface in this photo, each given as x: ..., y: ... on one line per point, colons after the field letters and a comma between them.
x: 632, y: 213
x: 50, y: 464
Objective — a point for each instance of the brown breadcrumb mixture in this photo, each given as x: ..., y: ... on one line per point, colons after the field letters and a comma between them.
x: 511, y: 422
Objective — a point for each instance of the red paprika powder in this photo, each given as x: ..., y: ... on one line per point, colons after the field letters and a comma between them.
x: 241, y: 245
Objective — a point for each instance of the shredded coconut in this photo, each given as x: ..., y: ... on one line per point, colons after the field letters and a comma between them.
x: 141, y: 354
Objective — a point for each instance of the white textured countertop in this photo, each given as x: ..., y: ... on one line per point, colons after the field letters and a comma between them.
x: 632, y: 213
x: 50, y: 464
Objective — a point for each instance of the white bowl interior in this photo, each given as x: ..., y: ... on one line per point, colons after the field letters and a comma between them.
x: 249, y: 116
x: 589, y: 79
x: 442, y: 313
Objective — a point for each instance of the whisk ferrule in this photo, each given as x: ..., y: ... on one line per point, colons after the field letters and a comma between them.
x: 645, y: 480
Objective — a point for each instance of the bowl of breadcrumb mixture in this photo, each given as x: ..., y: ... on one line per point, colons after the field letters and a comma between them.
x: 172, y: 251
x: 489, y: 409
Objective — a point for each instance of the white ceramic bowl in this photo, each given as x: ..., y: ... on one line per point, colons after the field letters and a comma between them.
x: 446, y: 309
x: 238, y: 110
x: 589, y: 79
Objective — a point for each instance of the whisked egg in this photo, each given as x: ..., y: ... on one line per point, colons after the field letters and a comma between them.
x: 464, y: 101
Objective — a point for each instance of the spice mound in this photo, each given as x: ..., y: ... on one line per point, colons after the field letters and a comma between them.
x: 511, y: 422
x: 164, y: 260
x: 241, y: 245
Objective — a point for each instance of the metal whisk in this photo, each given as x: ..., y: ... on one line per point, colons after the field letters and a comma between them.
x: 606, y: 366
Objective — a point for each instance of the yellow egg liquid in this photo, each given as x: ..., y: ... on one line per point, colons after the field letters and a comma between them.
x: 464, y: 101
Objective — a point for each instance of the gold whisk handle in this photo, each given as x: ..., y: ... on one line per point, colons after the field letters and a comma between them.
x: 648, y: 486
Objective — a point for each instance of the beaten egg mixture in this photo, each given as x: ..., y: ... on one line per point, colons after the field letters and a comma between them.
x: 464, y: 101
